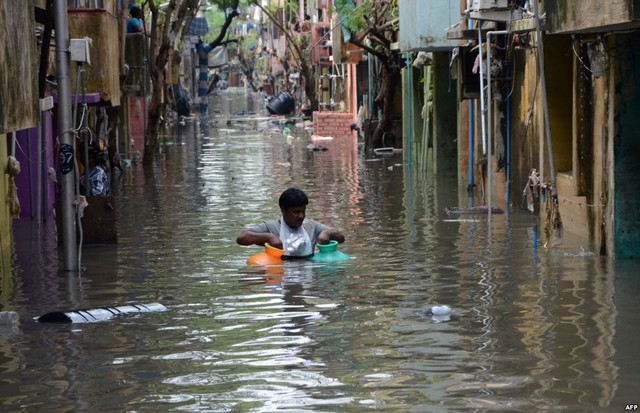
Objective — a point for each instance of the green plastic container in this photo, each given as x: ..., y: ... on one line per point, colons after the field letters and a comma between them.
x: 329, y: 253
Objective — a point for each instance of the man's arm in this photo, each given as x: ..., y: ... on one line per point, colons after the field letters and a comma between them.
x: 258, y: 238
x: 330, y: 234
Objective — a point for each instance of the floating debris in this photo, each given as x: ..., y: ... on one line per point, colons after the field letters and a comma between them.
x: 438, y: 313
x: 98, y: 314
x: 9, y: 318
x: 473, y: 210
x: 387, y: 151
x: 316, y: 148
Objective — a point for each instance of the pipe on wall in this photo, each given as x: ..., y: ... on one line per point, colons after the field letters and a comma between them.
x: 489, y: 115
x: 409, y: 106
x: 65, y: 129
x: 508, y: 145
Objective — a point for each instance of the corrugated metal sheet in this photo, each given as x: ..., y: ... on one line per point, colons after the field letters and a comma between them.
x: 423, y: 24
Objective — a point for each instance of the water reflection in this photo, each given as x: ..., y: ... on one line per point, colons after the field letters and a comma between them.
x: 532, y: 328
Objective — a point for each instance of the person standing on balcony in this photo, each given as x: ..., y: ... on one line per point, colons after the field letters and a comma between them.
x: 134, y: 24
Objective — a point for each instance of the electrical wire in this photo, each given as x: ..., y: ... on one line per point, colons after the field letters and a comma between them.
x: 575, y: 52
x: 81, y: 71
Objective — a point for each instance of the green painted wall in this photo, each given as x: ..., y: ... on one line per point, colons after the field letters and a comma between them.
x: 627, y: 148
x: 412, y: 121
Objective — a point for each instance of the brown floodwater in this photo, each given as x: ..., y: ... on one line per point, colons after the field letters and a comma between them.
x: 531, y: 328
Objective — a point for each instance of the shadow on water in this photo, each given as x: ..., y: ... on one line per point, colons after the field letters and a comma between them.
x: 531, y: 328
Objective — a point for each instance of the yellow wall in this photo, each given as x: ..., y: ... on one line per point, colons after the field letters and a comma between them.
x: 559, y: 77
x: 5, y: 219
x: 103, y: 73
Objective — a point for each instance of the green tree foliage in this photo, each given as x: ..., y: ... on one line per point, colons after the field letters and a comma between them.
x: 373, y: 26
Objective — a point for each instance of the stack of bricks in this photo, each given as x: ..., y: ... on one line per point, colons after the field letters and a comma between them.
x: 334, y: 124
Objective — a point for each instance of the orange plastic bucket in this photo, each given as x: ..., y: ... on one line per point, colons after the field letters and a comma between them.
x: 270, y: 256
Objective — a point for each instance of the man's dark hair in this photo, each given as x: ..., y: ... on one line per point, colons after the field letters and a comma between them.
x: 136, y: 12
x: 293, y: 197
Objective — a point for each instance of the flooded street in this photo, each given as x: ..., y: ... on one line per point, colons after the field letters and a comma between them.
x: 531, y: 329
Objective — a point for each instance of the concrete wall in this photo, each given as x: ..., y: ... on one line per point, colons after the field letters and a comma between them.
x: 593, y: 113
x: 103, y: 73
x: 526, y: 128
x: 445, y: 116
x: 18, y: 66
x: 591, y: 15
x: 594, y: 122
x: 463, y: 144
x: 136, y: 110
x: 559, y: 77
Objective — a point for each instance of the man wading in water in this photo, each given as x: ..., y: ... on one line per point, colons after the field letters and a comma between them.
x: 293, y: 233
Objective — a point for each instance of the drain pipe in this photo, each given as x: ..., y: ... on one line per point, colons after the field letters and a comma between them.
x: 369, y: 85
x: 409, y: 107
x: 483, y: 121
x: 489, y: 117
x: 470, y: 155
x: 471, y: 139
x: 66, y: 138
x: 508, y: 189
x: 482, y: 109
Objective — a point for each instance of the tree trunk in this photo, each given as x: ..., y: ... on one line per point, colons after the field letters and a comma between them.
x: 390, y: 77
x: 295, y: 51
x: 309, y: 85
x: 171, y: 31
x: 247, y: 69
x: 155, y: 107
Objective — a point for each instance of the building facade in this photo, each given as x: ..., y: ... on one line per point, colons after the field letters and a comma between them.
x: 560, y: 143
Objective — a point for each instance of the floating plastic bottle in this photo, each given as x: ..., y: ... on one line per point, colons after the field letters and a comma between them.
x: 329, y: 253
x: 270, y: 256
x: 440, y: 310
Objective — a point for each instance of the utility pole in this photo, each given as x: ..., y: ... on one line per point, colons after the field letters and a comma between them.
x: 66, y: 137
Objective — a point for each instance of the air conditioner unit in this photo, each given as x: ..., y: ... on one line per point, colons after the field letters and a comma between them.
x: 489, y: 4
x: 492, y: 10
